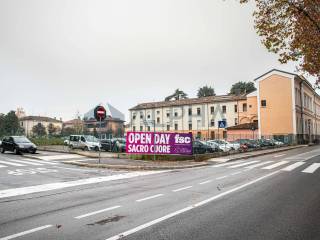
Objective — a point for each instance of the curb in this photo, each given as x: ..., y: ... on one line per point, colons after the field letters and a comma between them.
x: 134, y: 168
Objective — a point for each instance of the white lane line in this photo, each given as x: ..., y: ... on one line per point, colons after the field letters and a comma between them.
x: 293, y: 166
x: 60, y: 185
x: 3, y: 166
x: 227, y: 164
x: 312, y: 168
x: 148, y: 198
x: 41, y: 161
x: 60, y: 157
x: 26, y: 232
x: 170, y: 215
x: 259, y: 164
x: 243, y: 164
x: 181, y: 189
x: 26, y: 162
x: 275, y: 165
x: 12, y: 164
x: 236, y: 173
x: 280, y: 155
x: 96, y: 212
x: 205, y: 182
x: 221, y: 177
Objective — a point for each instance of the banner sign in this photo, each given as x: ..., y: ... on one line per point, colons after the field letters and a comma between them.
x: 159, y: 143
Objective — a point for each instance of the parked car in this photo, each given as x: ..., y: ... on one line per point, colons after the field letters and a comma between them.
x: 266, y: 143
x: 17, y: 144
x: 277, y: 142
x: 119, y: 145
x: 225, y: 146
x: 84, y: 142
x: 107, y: 145
x: 200, y: 147
x: 214, y: 145
x: 242, y: 147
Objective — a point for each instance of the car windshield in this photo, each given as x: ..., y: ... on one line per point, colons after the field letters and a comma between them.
x: 21, y: 140
x: 91, y: 138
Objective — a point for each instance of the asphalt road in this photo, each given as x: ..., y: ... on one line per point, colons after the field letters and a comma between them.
x: 270, y: 197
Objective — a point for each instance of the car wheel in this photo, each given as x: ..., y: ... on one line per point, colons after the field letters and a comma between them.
x: 34, y: 151
x: 2, y: 150
x: 86, y: 149
x: 96, y: 148
x: 16, y: 151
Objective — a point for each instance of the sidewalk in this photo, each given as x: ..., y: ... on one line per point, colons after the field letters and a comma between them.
x: 129, y: 164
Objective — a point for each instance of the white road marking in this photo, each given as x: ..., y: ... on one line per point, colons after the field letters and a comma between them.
x: 25, y: 232
x: 3, y: 166
x: 148, y: 198
x: 60, y: 185
x: 275, y: 165
x: 181, y: 189
x: 170, y: 215
x: 205, y: 182
x: 293, y: 166
x: 221, y: 177
x: 305, y: 156
x: 258, y: 164
x: 26, y: 162
x: 312, y: 168
x: 280, y: 155
x: 41, y: 161
x: 12, y: 164
x: 236, y: 173
x: 96, y: 212
x: 243, y: 164
x: 227, y: 164
x: 60, y: 157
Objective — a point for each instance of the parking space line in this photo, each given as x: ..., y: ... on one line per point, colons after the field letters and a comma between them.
x: 235, y: 173
x: 96, y: 212
x: 205, y: 182
x: 221, y: 177
x: 181, y: 189
x: 26, y: 232
x: 148, y: 198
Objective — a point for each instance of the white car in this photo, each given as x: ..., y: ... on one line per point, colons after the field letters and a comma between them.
x: 84, y: 142
x: 223, y: 145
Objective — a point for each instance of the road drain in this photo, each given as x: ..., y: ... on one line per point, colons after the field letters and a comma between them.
x: 115, y: 218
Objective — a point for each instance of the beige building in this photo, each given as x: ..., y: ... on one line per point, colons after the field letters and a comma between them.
x: 197, y: 115
x: 28, y: 122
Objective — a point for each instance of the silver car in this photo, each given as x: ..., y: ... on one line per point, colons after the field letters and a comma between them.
x: 84, y: 142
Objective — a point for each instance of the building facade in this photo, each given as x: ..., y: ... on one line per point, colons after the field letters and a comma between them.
x: 28, y: 122
x: 284, y: 106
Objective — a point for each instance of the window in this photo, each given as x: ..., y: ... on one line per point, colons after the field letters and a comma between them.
x: 224, y: 109
x: 236, y: 121
x: 134, y: 128
x: 176, y: 114
x: 158, y: 112
x: 212, y: 110
x: 235, y: 108
x: 190, y: 111
x: 149, y: 128
x: 244, y: 107
x: 148, y: 116
x: 190, y: 126
x: 250, y: 106
x: 168, y: 114
x: 133, y: 117
x: 141, y: 116
x: 176, y: 126
x: 158, y: 120
x: 263, y: 103
x: 168, y: 127
x: 141, y: 128
x: 212, y: 123
x: 198, y: 111
x: 225, y: 134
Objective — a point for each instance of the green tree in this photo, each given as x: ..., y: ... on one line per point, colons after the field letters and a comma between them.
x: 177, y: 95
x: 11, y: 124
x: 291, y: 29
x: 205, y: 91
x: 242, y: 88
x: 39, y: 130
x: 51, y: 129
x: 2, y: 117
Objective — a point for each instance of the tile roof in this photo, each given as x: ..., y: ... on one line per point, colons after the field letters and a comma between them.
x: 189, y: 101
x: 40, y: 119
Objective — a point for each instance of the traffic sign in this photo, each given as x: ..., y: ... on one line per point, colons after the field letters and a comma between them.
x: 222, y: 124
x: 100, y: 113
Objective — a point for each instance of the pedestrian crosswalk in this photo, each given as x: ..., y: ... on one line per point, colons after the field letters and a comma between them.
x: 284, y: 165
x: 8, y: 162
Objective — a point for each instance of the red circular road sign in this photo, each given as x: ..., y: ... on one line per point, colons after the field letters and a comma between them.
x: 100, y: 113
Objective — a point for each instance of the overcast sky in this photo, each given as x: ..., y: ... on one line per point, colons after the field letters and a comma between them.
x: 58, y: 57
